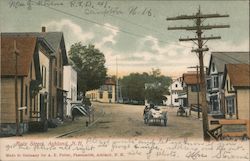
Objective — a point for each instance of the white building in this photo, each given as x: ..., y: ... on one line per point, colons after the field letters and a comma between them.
x: 174, y: 89
x: 43, y: 103
x: 69, y: 85
x: 105, y: 94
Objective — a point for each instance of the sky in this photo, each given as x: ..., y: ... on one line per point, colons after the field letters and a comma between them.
x: 132, y: 33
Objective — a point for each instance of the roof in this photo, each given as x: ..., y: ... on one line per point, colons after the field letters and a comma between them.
x: 26, y: 46
x: 109, y: 81
x: 190, y: 78
x: 222, y: 58
x: 55, y: 40
x: 239, y: 74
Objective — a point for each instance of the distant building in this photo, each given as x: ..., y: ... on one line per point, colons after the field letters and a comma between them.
x: 236, y: 86
x: 69, y: 85
x: 191, y: 86
x: 215, y: 75
x: 174, y: 89
x: 106, y: 93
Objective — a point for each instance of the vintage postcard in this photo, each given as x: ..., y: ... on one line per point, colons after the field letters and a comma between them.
x: 125, y: 80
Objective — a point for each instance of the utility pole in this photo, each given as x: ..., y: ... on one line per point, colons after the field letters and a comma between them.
x: 16, y: 53
x: 117, y: 93
x: 198, y: 88
x: 199, y: 18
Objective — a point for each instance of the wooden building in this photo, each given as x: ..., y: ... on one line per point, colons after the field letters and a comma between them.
x: 40, y: 79
x: 236, y: 85
x: 215, y: 75
x: 29, y: 81
x: 106, y: 93
x: 191, y: 85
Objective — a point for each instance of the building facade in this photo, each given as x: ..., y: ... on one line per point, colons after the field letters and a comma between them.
x: 174, y: 89
x: 191, y: 84
x: 42, y: 56
x: 215, y: 77
x: 58, y: 58
x: 69, y: 85
x: 106, y: 93
x: 236, y: 89
x: 29, y: 82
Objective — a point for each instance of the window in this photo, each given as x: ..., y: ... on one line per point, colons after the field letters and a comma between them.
x: 31, y: 70
x: 55, y: 62
x: 101, y: 95
x: 227, y: 85
x: 44, y: 76
x: 34, y: 104
x: 60, y: 79
x: 176, y: 85
x: 209, y: 84
x: 59, y: 58
x: 195, y: 88
x: 214, y: 103
x: 230, y: 105
x: 216, y: 82
x: 104, y: 87
x: 30, y: 105
x: 26, y: 99
x: 213, y: 67
x: 109, y: 88
x: 53, y: 106
x: 110, y: 95
x: 176, y: 100
x: 55, y: 77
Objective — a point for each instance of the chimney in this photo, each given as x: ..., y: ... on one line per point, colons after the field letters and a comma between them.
x: 43, y: 29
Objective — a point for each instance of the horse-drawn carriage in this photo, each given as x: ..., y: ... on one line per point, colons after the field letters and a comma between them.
x: 182, y: 111
x: 154, y: 114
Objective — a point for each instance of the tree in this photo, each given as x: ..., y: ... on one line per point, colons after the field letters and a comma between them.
x: 133, y: 86
x: 89, y: 63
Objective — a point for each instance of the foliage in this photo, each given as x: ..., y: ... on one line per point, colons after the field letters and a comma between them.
x: 89, y: 63
x: 133, y: 86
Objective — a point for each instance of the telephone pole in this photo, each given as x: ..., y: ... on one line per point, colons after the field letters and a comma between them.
x: 16, y: 53
x: 199, y: 18
x: 198, y: 88
x: 117, y: 85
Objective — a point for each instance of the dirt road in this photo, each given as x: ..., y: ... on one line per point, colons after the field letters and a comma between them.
x: 118, y: 120
x: 125, y: 121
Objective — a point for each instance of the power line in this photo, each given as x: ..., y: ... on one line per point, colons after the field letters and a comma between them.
x: 233, y: 58
x: 199, y: 28
x: 235, y: 65
x: 149, y: 29
x: 113, y: 28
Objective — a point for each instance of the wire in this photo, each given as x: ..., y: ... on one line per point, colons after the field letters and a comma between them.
x: 235, y: 65
x: 235, y: 58
x: 119, y: 30
x: 149, y: 29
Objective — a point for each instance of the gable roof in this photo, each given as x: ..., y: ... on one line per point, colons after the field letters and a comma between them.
x: 222, y: 58
x: 190, y: 78
x: 26, y: 46
x: 54, y: 39
x: 239, y: 74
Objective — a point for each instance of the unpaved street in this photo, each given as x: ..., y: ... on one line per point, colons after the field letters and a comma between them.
x: 119, y: 120
x: 125, y: 121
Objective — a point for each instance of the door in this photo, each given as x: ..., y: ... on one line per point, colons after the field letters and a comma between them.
x: 42, y: 108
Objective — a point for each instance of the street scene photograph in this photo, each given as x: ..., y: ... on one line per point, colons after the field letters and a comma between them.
x: 124, y: 79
